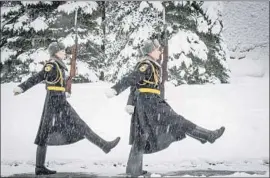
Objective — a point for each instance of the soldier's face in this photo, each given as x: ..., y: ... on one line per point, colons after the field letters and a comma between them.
x: 156, y: 53
x: 61, y: 54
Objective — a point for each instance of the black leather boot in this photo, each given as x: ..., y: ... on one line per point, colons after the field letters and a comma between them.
x: 204, y: 135
x: 216, y: 134
x: 203, y: 141
x: 42, y: 170
x: 110, y: 145
x: 144, y: 172
x: 101, y: 143
x: 40, y: 161
x: 135, y: 161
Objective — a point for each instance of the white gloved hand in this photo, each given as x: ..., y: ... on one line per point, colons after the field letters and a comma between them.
x: 68, y: 94
x: 129, y: 109
x: 17, y: 90
x: 110, y: 93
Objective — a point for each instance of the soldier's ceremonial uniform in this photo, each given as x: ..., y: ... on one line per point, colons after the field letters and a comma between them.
x: 60, y: 124
x: 155, y: 119
x: 155, y: 125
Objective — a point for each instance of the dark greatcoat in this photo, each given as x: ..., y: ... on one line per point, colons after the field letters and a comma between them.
x: 154, y: 124
x: 60, y: 124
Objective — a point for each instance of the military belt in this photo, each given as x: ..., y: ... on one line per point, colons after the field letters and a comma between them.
x: 149, y: 90
x: 55, y: 88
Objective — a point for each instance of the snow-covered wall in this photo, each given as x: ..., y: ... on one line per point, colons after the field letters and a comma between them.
x: 246, y: 32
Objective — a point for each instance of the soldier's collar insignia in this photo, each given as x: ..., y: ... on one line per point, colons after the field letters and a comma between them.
x: 148, y: 58
x: 155, y: 62
x: 60, y: 62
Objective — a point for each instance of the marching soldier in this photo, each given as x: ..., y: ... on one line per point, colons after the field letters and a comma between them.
x: 156, y: 125
x: 60, y: 124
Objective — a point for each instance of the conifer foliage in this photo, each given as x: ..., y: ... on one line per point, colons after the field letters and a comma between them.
x: 110, y: 35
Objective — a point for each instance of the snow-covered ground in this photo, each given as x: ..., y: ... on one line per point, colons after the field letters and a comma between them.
x: 242, y: 107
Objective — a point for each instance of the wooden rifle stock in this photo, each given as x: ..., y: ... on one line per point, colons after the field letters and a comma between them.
x: 72, y: 69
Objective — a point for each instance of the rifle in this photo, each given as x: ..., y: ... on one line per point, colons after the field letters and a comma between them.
x: 74, y: 51
x: 164, y: 56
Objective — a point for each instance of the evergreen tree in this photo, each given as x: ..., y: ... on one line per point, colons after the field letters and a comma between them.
x: 29, y: 27
x: 196, y: 51
x: 198, y: 54
x: 110, y: 35
x: 128, y: 25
